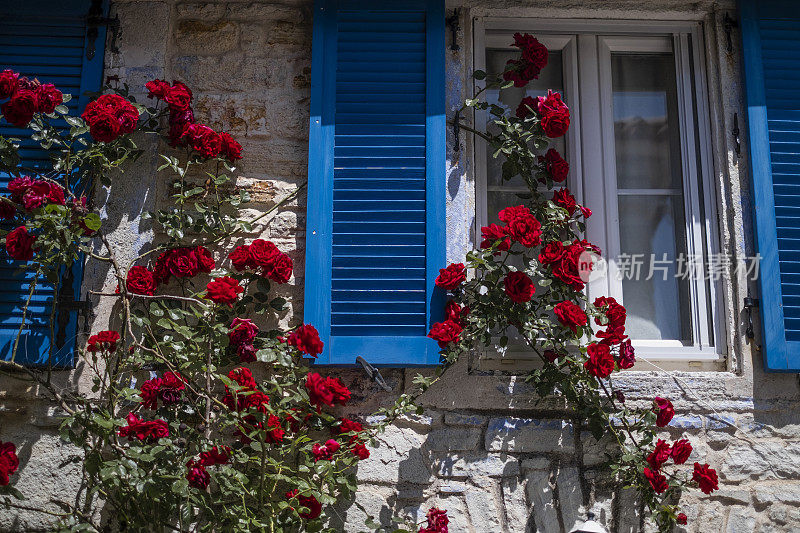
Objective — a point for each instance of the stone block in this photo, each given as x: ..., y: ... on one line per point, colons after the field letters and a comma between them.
x: 424, y: 422
x: 741, y: 520
x: 526, y: 435
x: 461, y: 419
x: 540, y: 496
x: 450, y: 439
x: 537, y: 463
x: 397, y: 458
x: 475, y: 465
x: 516, y: 507
x: 784, y: 492
x: 206, y: 38
x: 764, y: 460
x: 570, y: 496
x: 483, y: 510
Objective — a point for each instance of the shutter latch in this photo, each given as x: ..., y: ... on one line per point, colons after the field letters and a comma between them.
x: 95, y: 20
x: 728, y: 24
x: 67, y: 303
x: 373, y: 373
x: 749, y: 305
x: 453, y: 22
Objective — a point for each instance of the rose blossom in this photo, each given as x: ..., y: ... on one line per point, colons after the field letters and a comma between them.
x: 203, y: 140
x: 20, y: 109
x: 240, y: 257
x: 149, y: 431
x: 197, y: 475
x: 681, y: 450
x: 454, y: 312
x: 360, y: 451
x: 555, y: 165
x: 563, y: 198
x: 706, y: 477
x: 217, y: 455
x: 492, y: 234
x: 570, y: 315
x: 9, y: 462
x: 451, y: 277
x: 156, y: 88
x: 626, y: 355
x: 325, y: 451
x: 664, y: 411
x: 601, y: 362
x: 657, y: 480
x: 445, y: 332
x: 306, y: 339
x: 437, y: 521
x: 659, y: 455
x: 140, y: 281
x: 519, y: 287
x: 521, y: 225
x: 48, y: 98
x: 681, y: 519
x: 109, y: 117
x: 230, y: 148
x: 9, y: 83
x: 526, y: 106
x: 224, y: 290
x: 242, y: 331
x: 554, y: 114
x: 326, y: 391
x: 19, y: 244
x: 149, y: 393
x: 104, y: 341
x: 179, y: 96
x: 172, y: 384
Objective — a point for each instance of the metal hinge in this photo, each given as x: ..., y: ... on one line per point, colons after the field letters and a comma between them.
x: 373, y: 373
x: 95, y: 20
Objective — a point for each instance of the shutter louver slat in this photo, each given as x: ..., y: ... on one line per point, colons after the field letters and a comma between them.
x: 45, y: 41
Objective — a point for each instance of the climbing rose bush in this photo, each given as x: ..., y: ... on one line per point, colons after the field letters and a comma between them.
x: 204, y: 414
x: 525, y: 285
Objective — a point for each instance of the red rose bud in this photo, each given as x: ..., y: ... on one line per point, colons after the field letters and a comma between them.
x: 681, y: 519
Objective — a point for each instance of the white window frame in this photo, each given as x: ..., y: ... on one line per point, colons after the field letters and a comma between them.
x: 591, y: 138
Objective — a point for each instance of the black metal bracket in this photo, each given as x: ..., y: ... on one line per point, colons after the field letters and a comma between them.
x: 454, y: 22
x: 749, y: 305
x: 373, y: 374
x: 737, y: 143
x: 728, y: 23
x: 95, y: 20
x: 456, y: 131
x: 65, y: 304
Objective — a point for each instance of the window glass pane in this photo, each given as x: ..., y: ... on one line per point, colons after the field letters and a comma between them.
x: 646, y: 127
x: 652, y: 221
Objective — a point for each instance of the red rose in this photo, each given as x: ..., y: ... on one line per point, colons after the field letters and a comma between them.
x: 247, y: 353
x: 9, y: 83
x: 104, y: 341
x: 551, y: 355
x: 360, y: 451
x: 681, y: 519
x: 48, y: 98
x: 664, y: 411
x: 197, y: 475
x: 242, y: 331
x: 109, y: 117
x: 19, y: 186
x: 19, y: 244
x: 569, y: 268
x: 243, y: 377
x: 454, y: 312
x: 551, y: 253
x: 570, y: 315
x: 179, y: 96
x: 280, y: 270
x: 9, y: 462
x: 445, y: 332
x: 519, y: 287
x: 492, y: 234
x: 156, y: 88
x: 171, y: 386
x: 240, y: 257
x: 306, y: 339
x: 586, y: 212
x: 659, y: 455
x: 325, y: 452
x: 262, y: 253
x: 41, y: 193
x: 601, y: 362
x: 657, y: 480
x: 527, y: 106
x: 224, y: 290
x: 20, y: 109
x: 521, y: 225
x: 326, y: 391
x: 532, y: 50
x: 626, y: 355
x: 556, y: 166
x: 681, y: 450
x: 309, y: 502
x: 104, y: 126
x: 178, y: 122
x: 149, y: 393
x: 554, y: 114
x: 706, y: 477
x: 437, y: 521
x: 217, y: 455
x: 230, y: 148
x: 143, y: 430
x: 203, y: 140
x: 451, y: 277
x: 203, y: 259
x: 140, y: 281
x: 563, y: 198
x: 348, y: 426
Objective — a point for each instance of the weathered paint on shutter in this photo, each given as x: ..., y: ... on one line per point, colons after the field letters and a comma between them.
x: 771, y: 46
x: 375, y: 230
x: 47, y: 40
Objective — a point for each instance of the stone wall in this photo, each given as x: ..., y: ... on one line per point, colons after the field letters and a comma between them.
x: 484, y: 448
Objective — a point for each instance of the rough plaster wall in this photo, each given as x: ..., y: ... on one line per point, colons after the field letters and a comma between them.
x: 484, y: 449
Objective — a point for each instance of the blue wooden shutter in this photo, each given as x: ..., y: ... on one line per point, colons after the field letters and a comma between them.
x: 771, y: 45
x: 375, y: 229
x: 46, y: 39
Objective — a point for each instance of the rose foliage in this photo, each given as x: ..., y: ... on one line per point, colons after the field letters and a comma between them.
x: 204, y: 414
x: 526, y: 285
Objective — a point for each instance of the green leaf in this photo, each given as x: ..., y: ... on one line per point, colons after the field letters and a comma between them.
x: 92, y: 221
x: 479, y: 75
